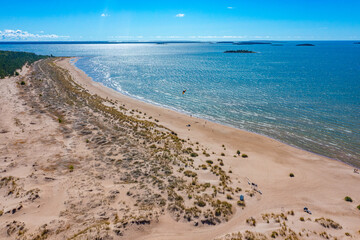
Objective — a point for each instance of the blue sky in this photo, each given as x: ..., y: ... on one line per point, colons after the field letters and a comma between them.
x: 211, y: 20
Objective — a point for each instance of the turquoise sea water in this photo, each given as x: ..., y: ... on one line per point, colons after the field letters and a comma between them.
x: 308, y: 97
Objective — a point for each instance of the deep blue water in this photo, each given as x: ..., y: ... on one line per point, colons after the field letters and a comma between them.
x: 307, y: 97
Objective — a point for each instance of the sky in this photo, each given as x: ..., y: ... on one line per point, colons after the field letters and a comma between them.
x: 175, y: 20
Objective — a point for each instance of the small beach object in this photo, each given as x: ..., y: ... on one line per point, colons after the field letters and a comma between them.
x: 307, y: 210
x: 356, y: 170
x: 188, y: 125
x: 184, y: 92
x: 241, y: 197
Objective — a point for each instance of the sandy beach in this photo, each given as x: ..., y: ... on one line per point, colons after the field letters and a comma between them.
x: 79, y: 160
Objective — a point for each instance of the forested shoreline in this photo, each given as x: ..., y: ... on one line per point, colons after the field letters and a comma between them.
x: 11, y: 61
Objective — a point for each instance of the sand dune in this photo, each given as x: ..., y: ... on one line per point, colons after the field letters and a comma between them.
x: 79, y: 160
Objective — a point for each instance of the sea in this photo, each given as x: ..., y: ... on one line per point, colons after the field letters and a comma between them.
x: 304, y: 96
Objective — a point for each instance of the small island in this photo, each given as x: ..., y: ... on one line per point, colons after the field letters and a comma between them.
x: 239, y: 51
x: 305, y: 45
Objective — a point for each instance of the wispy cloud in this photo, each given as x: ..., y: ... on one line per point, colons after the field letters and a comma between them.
x: 230, y: 7
x: 105, y: 15
x: 9, y: 34
x: 180, y: 15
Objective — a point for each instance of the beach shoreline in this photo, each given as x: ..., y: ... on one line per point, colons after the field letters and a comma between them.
x: 73, y: 61
x: 87, y: 161
x: 130, y: 98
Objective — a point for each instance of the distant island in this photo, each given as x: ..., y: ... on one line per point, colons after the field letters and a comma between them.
x: 305, y: 45
x: 239, y: 51
x: 250, y: 43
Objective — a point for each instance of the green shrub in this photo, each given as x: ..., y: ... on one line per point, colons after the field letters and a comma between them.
x: 153, y: 146
x: 358, y: 207
x: 204, y: 167
x: 291, y: 175
x: 238, y: 152
x: 194, y: 154
x: 22, y: 83
x: 222, y: 154
x: 189, y: 173
x: 59, y: 119
x: 229, y: 197
x: 217, y: 212
x: 241, y: 203
x: 209, y: 162
x: 302, y: 219
x: 348, y: 199
x: 244, y: 155
x: 201, y: 203
x: 274, y: 234
x: 71, y: 168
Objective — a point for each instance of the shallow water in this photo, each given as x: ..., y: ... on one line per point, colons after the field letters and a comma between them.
x: 308, y: 97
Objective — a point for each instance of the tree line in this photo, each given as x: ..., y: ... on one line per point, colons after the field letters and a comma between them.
x: 11, y: 61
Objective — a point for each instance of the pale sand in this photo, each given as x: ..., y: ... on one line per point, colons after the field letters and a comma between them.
x: 319, y: 183
x: 32, y: 146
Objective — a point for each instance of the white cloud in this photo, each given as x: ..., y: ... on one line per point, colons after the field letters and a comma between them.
x: 105, y: 15
x: 230, y: 7
x: 9, y: 34
x: 180, y: 15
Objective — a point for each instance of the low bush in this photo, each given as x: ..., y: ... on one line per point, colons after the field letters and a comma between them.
x: 201, y: 203
x: 291, y: 175
x: 244, y: 155
x: 193, y: 154
x: 348, y: 199
x: 274, y: 234
x: 189, y: 173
